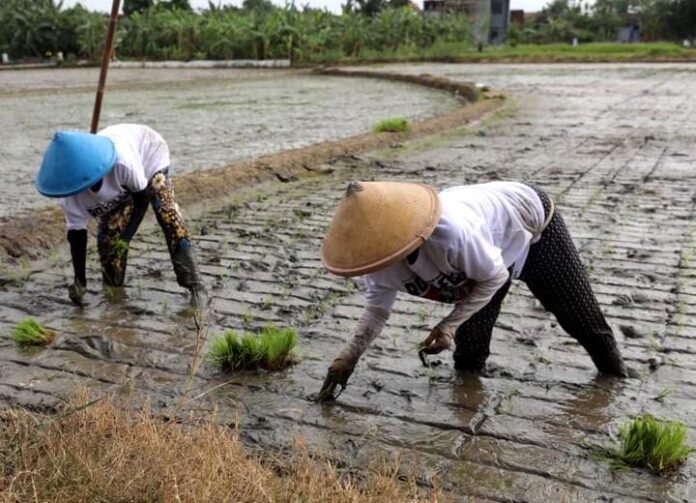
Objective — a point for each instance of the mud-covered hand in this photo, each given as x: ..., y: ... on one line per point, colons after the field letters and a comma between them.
x: 438, y: 340
x: 338, y: 374
x: 76, y: 292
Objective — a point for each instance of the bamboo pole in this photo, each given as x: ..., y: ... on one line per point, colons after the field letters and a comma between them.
x: 106, y: 58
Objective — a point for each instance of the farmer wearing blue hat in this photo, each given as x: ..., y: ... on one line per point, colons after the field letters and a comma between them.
x: 113, y: 176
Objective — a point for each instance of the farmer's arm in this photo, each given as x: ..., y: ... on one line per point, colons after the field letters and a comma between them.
x: 140, y: 202
x: 133, y: 178
x: 481, y: 294
x: 370, y: 325
x: 368, y: 328
x: 473, y: 253
x: 76, y: 218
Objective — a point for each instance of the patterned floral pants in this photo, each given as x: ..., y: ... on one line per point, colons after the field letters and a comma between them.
x: 113, y: 249
x: 555, y: 275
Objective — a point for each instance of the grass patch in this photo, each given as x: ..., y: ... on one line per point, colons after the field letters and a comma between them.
x: 272, y: 349
x: 391, y: 125
x: 30, y: 332
x: 647, y: 442
x: 99, y: 453
x: 533, y: 53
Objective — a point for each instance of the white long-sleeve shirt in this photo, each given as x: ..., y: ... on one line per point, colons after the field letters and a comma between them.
x: 140, y: 153
x: 483, y: 231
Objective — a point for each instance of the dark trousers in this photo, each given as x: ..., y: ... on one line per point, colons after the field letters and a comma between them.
x: 555, y: 275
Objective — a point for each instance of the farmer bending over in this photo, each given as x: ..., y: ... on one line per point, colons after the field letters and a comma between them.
x: 112, y: 176
x: 462, y: 246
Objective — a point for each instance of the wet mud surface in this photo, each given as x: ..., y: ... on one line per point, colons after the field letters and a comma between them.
x: 615, y: 145
x: 210, y: 118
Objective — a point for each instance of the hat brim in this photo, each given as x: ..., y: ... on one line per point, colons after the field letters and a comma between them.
x: 421, y: 236
x: 52, y: 174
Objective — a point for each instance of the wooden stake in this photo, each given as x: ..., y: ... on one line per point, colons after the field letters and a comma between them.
x: 106, y: 58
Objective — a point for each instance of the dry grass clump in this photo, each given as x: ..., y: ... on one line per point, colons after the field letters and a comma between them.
x: 272, y: 349
x: 391, y: 125
x: 646, y: 442
x: 98, y: 453
x: 30, y: 332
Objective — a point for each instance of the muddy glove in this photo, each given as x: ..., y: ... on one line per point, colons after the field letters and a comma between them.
x: 78, y: 251
x: 338, y: 374
x: 440, y: 338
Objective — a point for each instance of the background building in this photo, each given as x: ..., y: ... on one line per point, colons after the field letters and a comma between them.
x: 489, y: 18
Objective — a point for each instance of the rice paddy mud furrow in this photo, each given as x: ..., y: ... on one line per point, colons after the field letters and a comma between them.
x: 517, y: 434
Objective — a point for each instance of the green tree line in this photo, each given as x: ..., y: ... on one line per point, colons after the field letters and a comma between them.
x: 563, y: 20
x: 367, y: 29
x: 259, y: 30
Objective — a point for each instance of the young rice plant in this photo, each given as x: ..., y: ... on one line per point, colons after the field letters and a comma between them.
x: 30, y: 332
x: 647, y: 442
x: 272, y: 349
x: 391, y: 125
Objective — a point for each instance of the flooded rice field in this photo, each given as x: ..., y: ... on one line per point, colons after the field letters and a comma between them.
x: 615, y: 145
x: 210, y: 118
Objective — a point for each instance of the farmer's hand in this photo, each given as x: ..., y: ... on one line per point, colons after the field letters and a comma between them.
x: 438, y: 340
x: 76, y: 291
x: 338, y: 374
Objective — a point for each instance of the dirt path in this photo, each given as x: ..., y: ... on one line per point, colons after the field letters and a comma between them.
x: 614, y: 144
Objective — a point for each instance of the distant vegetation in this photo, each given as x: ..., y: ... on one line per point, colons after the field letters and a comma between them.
x: 367, y: 30
x: 33, y: 28
x: 564, y: 20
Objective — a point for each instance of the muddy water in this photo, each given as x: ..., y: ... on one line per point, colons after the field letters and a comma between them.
x: 619, y: 160
x: 209, y: 117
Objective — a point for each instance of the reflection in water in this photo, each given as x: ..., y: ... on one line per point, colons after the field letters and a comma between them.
x: 589, y: 405
x: 471, y: 402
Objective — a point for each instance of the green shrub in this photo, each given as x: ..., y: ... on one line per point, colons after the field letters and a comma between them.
x: 30, y: 332
x: 272, y: 349
x: 391, y: 125
x: 647, y: 442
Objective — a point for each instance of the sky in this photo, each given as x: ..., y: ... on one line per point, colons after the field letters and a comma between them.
x: 332, y: 5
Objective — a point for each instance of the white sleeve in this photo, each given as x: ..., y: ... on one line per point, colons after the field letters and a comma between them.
x: 131, y: 176
x: 377, y: 295
x: 76, y: 216
x: 368, y: 328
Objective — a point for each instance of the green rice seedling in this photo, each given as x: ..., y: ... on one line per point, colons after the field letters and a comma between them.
x: 120, y: 248
x: 392, y: 125
x: 272, y: 349
x: 647, y: 442
x: 30, y: 332
x: 662, y: 396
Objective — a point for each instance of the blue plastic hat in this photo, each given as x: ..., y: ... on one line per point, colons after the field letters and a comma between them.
x: 74, y: 162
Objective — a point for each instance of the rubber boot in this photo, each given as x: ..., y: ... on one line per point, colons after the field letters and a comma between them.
x: 188, y: 275
x: 611, y: 363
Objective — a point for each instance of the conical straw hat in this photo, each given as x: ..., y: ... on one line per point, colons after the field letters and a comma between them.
x: 377, y: 224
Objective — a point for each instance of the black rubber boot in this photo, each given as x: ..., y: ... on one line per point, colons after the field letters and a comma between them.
x: 610, y: 362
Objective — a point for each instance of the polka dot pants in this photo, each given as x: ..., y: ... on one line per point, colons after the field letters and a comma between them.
x: 555, y: 275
